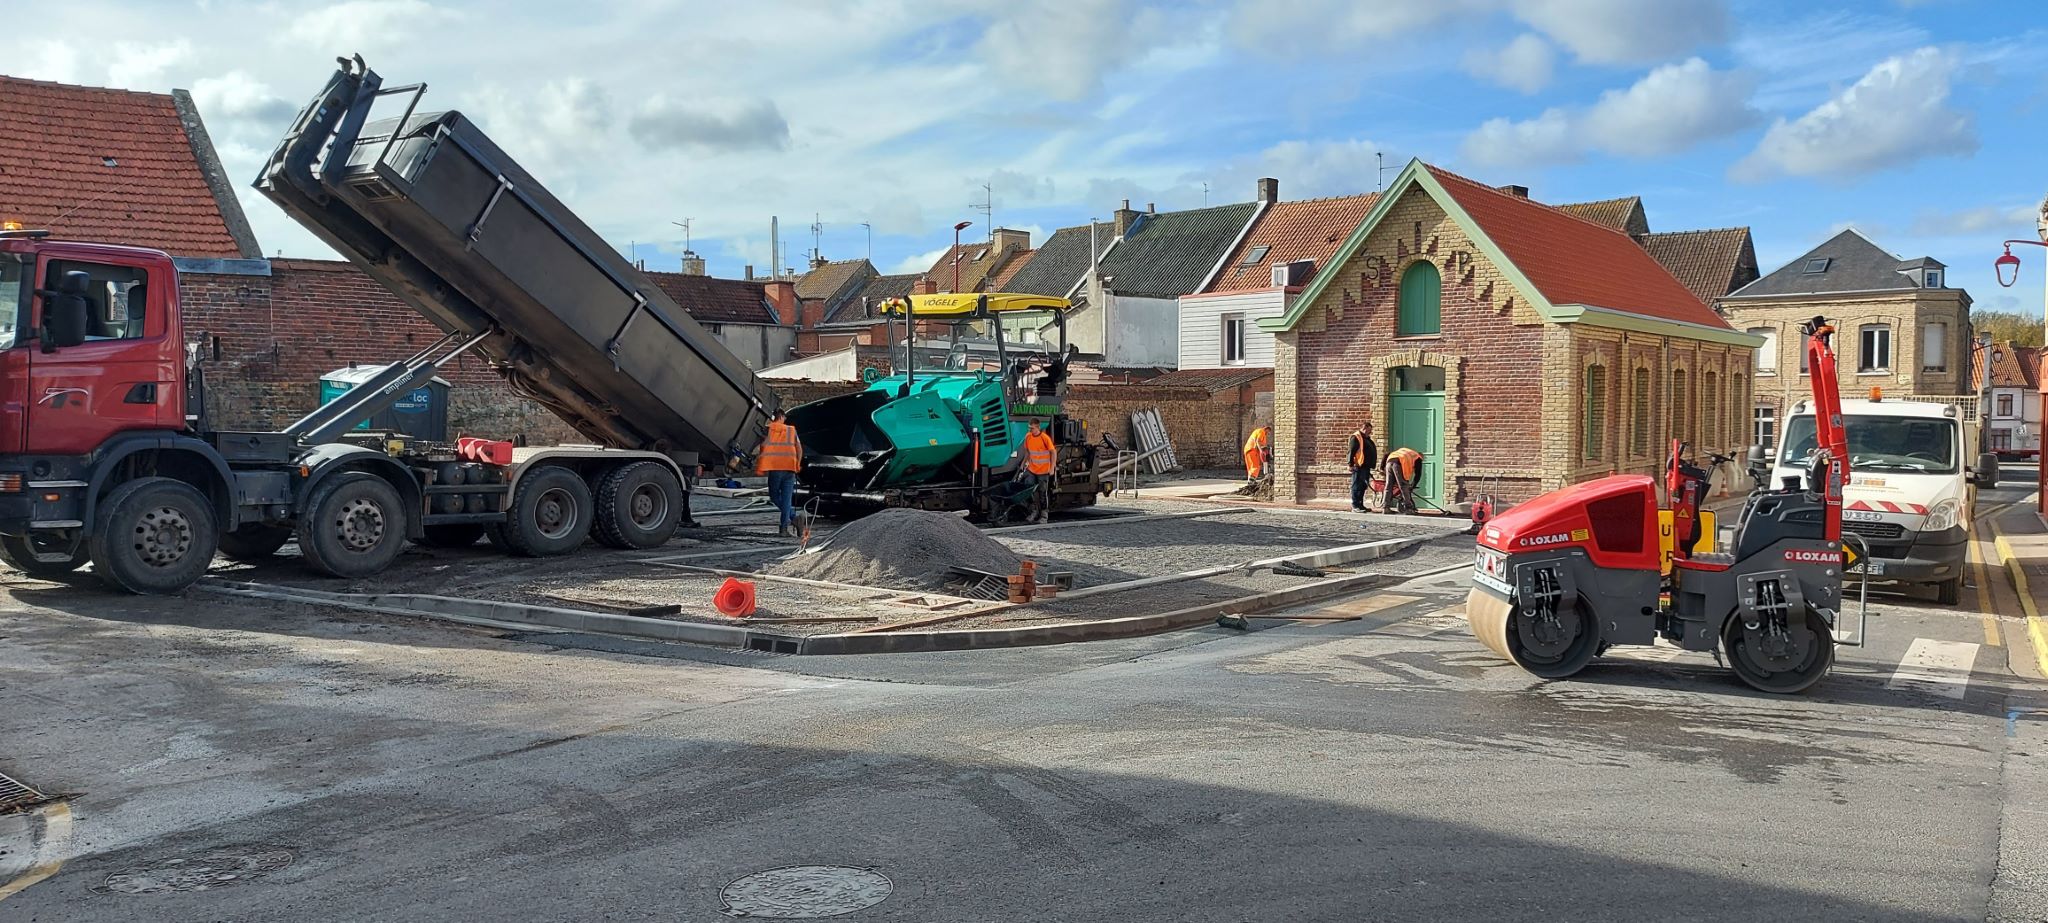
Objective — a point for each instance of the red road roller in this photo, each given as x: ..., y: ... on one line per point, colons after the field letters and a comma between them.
x: 1562, y: 578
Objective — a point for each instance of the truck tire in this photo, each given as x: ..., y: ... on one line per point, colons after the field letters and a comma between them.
x: 638, y: 506
x: 254, y: 543
x: 1949, y: 592
x: 20, y: 553
x: 153, y: 536
x: 352, y: 526
x: 453, y: 535
x: 551, y: 513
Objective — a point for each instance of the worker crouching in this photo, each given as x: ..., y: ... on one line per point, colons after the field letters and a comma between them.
x: 782, y: 456
x: 1258, y: 455
x: 1403, y: 472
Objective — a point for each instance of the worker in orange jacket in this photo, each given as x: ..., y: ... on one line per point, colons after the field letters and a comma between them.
x: 782, y: 456
x: 1040, y: 457
x: 1258, y: 454
x: 1364, y: 457
x: 1403, y: 471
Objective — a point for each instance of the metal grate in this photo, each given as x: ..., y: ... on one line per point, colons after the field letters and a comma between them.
x: 1875, y: 529
x: 14, y: 795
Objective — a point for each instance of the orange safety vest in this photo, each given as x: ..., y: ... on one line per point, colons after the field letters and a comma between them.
x: 1039, y: 453
x: 1358, y: 438
x: 1409, y: 459
x: 781, y: 451
x: 1255, y: 452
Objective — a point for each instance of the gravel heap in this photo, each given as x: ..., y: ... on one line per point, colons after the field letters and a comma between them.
x: 901, y: 549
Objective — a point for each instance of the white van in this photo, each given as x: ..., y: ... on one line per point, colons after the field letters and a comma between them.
x: 1911, y: 491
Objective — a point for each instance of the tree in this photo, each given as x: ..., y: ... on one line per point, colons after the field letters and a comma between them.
x: 2002, y: 326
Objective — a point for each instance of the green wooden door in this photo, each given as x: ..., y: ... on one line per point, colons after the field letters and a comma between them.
x: 1415, y: 418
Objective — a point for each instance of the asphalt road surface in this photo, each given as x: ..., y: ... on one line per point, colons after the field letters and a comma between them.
x: 227, y: 761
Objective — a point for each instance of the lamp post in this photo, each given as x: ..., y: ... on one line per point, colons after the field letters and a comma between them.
x: 2007, y: 267
x: 962, y: 226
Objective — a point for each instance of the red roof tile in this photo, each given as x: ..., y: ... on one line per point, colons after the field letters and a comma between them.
x: 717, y: 301
x: 1574, y: 261
x: 2011, y: 367
x: 55, y: 172
x: 1711, y: 263
x: 1305, y: 229
x: 1009, y: 269
x: 1624, y: 214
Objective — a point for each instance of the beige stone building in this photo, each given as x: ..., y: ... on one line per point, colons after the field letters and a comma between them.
x: 1517, y: 346
x: 1899, y: 326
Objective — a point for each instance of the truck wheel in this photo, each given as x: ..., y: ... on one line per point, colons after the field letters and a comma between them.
x: 550, y: 515
x: 352, y: 526
x: 20, y: 553
x: 254, y: 543
x: 638, y: 506
x: 454, y: 535
x: 1949, y: 592
x: 1786, y: 663
x: 153, y: 536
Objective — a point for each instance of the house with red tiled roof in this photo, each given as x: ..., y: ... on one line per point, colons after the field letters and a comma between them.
x: 1261, y: 275
x: 754, y: 318
x: 968, y: 267
x: 2014, y: 427
x: 1517, y: 346
x: 117, y: 167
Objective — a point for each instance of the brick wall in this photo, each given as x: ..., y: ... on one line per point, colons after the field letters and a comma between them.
x: 1207, y: 429
x: 1906, y: 313
x: 1514, y: 387
x: 279, y: 333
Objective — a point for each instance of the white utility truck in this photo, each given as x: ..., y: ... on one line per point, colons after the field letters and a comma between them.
x: 1912, y: 491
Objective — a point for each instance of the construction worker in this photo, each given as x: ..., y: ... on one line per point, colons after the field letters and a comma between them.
x: 1403, y: 470
x: 1258, y: 453
x: 782, y: 455
x: 1364, y: 457
x: 1039, y: 457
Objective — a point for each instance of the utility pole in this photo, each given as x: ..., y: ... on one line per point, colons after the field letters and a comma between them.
x: 870, y: 228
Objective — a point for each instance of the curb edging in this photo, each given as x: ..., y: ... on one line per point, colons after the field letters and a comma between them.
x: 2037, y: 629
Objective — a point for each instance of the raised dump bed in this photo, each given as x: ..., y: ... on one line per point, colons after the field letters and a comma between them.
x: 437, y: 212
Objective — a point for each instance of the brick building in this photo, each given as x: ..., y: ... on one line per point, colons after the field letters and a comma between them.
x: 1517, y: 346
x: 1899, y: 326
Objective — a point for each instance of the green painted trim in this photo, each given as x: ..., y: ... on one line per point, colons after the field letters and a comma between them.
x: 1621, y: 320
x: 1413, y: 175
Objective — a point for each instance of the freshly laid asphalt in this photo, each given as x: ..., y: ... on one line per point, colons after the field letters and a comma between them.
x: 1383, y: 769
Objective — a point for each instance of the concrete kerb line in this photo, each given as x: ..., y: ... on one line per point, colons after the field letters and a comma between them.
x: 2037, y: 630
x: 1327, y: 557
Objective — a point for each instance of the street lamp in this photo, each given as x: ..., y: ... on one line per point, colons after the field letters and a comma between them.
x: 2007, y: 267
x: 962, y: 226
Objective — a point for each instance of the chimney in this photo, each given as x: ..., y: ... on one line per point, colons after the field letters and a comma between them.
x: 750, y: 272
x: 818, y: 262
x: 924, y: 286
x: 1125, y: 217
x: 1006, y: 239
x: 1519, y: 192
x: 693, y: 265
x: 781, y: 295
x: 1269, y: 189
x: 1151, y: 208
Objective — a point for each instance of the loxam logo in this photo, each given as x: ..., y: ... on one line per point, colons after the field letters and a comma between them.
x: 1796, y: 556
x: 1538, y: 541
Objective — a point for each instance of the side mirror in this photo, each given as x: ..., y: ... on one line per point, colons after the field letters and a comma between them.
x: 1987, y: 470
x: 65, y: 312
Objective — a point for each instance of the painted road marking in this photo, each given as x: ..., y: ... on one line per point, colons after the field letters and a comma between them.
x: 1938, y: 667
x: 1983, y: 587
x: 51, y: 852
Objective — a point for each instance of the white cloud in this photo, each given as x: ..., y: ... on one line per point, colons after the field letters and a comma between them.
x: 1983, y: 219
x: 1897, y: 114
x: 365, y: 26
x: 666, y: 124
x: 1523, y: 65
x: 1278, y: 24
x: 1063, y: 47
x: 916, y: 262
x: 1671, y: 109
x: 237, y: 95
x: 1305, y: 169
x: 142, y: 65
x: 1626, y: 31
x: 54, y: 61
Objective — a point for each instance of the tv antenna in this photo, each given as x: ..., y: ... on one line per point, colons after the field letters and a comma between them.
x: 870, y: 228
x: 1380, y: 159
x: 685, y: 225
x: 817, y: 235
x: 987, y: 208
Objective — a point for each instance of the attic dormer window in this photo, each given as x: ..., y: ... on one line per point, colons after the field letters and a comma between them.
x: 1931, y: 279
x: 1818, y: 264
x: 1257, y: 254
x: 979, y: 255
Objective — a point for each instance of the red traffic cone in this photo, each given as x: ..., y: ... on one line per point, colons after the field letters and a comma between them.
x: 735, y: 598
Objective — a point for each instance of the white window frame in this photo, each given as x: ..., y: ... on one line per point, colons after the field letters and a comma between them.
x: 1931, y: 279
x: 1767, y: 354
x: 1231, y: 349
x: 2002, y: 406
x: 1763, y: 426
x: 1863, y: 352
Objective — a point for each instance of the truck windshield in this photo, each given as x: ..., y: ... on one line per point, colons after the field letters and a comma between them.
x: 1923, y: 445
x: 13, y: 296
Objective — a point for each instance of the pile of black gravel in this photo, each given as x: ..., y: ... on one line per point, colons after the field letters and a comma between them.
x: 903, y: 550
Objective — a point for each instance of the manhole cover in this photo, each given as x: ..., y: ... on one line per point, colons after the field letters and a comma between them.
x: 805, y: 892
x: 204, y: 872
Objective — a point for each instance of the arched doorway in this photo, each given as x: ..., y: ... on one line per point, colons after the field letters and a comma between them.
x: 1415, y: 418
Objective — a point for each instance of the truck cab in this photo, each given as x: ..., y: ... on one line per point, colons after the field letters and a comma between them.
x: 1911, y: 494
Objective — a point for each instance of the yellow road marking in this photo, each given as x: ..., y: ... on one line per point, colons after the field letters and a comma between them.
x: 2037, y: 631
x: 1992, y: 636
x: 56, y: 843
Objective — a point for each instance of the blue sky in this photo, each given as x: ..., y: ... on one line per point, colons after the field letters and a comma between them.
x: 1919, y: 123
